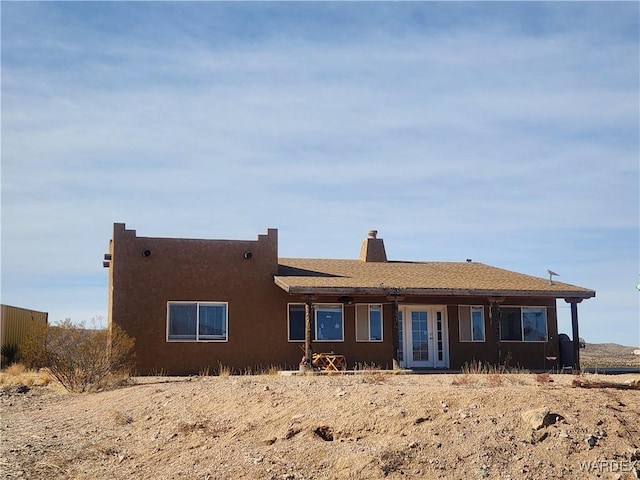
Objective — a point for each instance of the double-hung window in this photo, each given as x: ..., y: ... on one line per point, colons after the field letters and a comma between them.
x: 368, y: 323
x: 197, y: 321
x: 523, y: 324
x: 471, y: 323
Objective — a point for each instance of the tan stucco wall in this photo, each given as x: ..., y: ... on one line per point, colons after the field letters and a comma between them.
x: 216, y: 270
x: 529, y: 355
x: 198, y: 270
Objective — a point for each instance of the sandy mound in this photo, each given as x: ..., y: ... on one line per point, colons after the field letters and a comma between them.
x: 351, y: 427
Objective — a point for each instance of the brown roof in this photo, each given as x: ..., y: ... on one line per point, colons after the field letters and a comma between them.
x: 332, y: 276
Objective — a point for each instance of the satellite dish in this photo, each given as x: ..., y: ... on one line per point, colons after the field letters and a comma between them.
x: 551, y: 274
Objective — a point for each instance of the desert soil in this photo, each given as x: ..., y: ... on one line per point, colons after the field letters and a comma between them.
x: 449, y: 426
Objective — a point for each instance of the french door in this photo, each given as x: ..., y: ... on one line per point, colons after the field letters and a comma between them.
x: 423, y: 336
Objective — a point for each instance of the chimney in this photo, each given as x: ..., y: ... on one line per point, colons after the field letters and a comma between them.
x: 372, y: 249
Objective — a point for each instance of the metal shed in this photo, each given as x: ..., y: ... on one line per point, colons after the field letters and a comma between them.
x: 16, y: 322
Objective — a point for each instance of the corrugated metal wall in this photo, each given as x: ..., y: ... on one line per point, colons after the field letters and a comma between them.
x: 15, y: 323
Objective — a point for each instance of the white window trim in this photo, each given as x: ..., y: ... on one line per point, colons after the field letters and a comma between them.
x: 522, y: 340
x: 289, y: 322
x: 315, y: 320
x: 484, y: 326
x: 369, y: 305
x: 197, y: 339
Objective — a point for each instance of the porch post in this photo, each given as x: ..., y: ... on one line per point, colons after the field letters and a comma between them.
x: 308, y: 328
x: 394, y: 333
x: 494, y: 318
x: 574, y: 326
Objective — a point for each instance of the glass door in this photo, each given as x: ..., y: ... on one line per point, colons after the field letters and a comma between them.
x: 423, y: 337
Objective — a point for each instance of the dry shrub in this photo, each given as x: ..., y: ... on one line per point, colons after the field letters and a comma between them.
x: 543, y: 378
x: 376, y: 378
x: 29, y: 381
x: 33, y: 347
x: 15, y: 369
x: 462, y: 380
x: 369, y: 373
x: 270, y: 370
x: 486, y: 368
x: 273, y: 370
x: 122, y: 419
x: 202, y: 426
x: 516, y: 379
x: 391, y: 461
x: 366, y: 367
x: 224, y: 370
x: 81, y: 359
x: 44, y: 377
x: 19, y: 375
x: 476, y: 367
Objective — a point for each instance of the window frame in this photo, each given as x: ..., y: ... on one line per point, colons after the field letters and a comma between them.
x: 368, y: 335
x: 296, y: 304
x: 314, y: 331
x: 317, y: 307
x: 484, y: 327
x: 522, y: 308
x: 197, y: 339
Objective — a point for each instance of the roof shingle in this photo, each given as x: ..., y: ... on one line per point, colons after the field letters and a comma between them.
x: 335, y: 276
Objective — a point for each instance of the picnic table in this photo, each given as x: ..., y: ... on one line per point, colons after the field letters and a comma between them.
x: 329, y: 362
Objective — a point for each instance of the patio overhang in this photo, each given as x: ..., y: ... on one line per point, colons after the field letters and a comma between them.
x: 296, y: 288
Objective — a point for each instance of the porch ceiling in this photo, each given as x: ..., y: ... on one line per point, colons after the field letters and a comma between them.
x: 353, y: 277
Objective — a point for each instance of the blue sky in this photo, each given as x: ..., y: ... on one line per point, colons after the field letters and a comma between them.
x: 503, y: 132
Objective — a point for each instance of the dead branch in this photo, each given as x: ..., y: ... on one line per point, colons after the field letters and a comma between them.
x: 635, y: 385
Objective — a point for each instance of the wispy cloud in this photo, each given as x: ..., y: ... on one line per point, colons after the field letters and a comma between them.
x: 496, y: 128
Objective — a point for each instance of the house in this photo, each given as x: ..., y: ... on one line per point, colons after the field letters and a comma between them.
x: 194, y: 304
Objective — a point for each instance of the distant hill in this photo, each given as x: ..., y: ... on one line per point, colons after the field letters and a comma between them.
x: 608, y: 355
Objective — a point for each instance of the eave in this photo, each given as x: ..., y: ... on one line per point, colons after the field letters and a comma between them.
x: 420, y: 292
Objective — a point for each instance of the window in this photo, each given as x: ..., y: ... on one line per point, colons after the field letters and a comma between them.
x: 327, y: 319
x: 329, y: 324
x: 523, y: 324
x: 471, y: 323
x: 368, y: 323
x: 197, y: 321
x: 534, y: 324
x: 296, y: 322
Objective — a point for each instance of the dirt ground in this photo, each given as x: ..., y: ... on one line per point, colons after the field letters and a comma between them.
x: 366, y: 426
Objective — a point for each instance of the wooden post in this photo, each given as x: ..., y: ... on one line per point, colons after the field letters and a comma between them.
x: 494, y: 318
x: 576, y: 335
x: 496, y: 315
x: 395, y: 340
x: 394, y: 298
x: 308, y: 329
